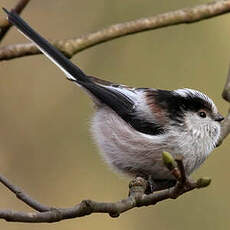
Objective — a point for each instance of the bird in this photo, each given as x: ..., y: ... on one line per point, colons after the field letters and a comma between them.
x: 134, y: 126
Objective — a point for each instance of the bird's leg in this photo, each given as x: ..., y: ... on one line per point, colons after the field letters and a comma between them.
x: 152, y: 186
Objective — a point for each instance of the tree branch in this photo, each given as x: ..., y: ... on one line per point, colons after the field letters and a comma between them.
x: 225, y: 129
x: 136, y: 198
x: 137, y: 187
x: 72, y: 46
x: 23, y: 196
x: 4, y: 24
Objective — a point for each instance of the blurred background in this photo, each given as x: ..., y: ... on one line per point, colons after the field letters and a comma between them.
x: 45, y: 144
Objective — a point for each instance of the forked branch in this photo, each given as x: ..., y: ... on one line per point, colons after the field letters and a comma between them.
x: 137, y: 187
x: 136, y: 198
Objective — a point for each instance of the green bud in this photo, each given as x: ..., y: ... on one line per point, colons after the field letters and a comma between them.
x: 203, y: 182
x: 169, y: 161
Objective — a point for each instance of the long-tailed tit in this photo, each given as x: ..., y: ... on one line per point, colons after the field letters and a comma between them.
x: 133, y: 126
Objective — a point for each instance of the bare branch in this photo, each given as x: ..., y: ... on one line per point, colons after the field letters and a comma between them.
x: 137, y: 187
x: 226, y: 90
x: 225, y: 129
x: 72, y: 46
x: 4, y: 24
x: 136, y: 198
x: 23, y: 196
x: 181, y: 168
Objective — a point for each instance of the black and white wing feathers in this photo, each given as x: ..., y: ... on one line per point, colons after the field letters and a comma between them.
x: 121, y: 99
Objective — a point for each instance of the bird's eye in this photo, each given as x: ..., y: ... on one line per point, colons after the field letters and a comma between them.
x: 202, y: 114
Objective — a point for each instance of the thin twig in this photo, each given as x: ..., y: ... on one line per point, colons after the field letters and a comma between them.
x: 180, y: 165
x: 72, y: 46
x: 4, y: 24
x: 226, y: 90
x: 23, y: 196
x: 136, y: 198
x: 225, y: 129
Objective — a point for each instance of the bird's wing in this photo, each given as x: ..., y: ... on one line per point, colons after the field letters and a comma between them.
x: 121, y: 99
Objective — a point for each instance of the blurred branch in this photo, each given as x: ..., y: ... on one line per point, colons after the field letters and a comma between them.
x: 72, y: 46
x: 225, y: 129
x: 136, y: 198
x: 4, y: 24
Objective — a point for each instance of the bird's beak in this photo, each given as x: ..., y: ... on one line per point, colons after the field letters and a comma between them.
x: 218, y: 117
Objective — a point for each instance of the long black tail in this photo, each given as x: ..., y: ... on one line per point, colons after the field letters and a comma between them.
x: 72, y: 71
x: 110, y: 96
